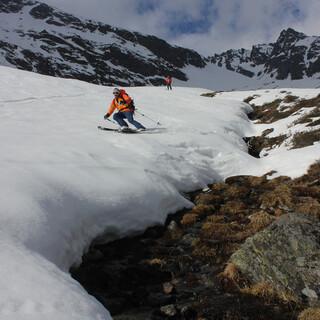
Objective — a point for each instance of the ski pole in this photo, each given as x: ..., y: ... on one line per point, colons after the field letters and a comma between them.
x: 142, y: 114
x: 111, y: 121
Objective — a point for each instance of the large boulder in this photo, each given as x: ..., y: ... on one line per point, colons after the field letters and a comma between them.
x: 287, y: 255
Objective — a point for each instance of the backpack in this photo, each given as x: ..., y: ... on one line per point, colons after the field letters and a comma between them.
x: 131, y: 106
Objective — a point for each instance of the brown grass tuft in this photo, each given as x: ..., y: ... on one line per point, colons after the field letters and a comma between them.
x: 248, y: 99
x: 215, y: 219
x: 312, y: 177
x: 259, y: 221
x: 232, y: 207
x: 230, y: 278
x: 155, y: 262
x: 310, y: 314
x: 306, y: 138
x: 236, y: 192
x: 280, y: 196
x: 231, y: 272
x: 189, y: 219
x: 268, y: 293
x: 219, y: 231
x: 290, y: 98
x: 202, y: 250
x: 207, y: 199
x: 202, y: 210
x: 306, y: 191
x: 219, y: 187
x: 208, y: 94
x: 308, y: 206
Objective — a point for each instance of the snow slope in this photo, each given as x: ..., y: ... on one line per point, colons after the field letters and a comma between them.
x: 63, y: 182
x: 217, y: 78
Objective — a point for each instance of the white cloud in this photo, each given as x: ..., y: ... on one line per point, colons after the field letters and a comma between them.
x: 226, y: 24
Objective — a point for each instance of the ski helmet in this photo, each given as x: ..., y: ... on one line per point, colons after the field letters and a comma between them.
x: 116, y: 91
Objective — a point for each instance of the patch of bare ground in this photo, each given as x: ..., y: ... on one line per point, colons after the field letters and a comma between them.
x: 209, y: 94
x: 280, y: 109
x: 310, y: 314
x: 250, y: 98
x: 181, y: 270
x: 258, y: 143
x: 305, y: 138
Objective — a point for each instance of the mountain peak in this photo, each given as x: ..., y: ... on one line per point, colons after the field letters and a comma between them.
x: 289, y: 35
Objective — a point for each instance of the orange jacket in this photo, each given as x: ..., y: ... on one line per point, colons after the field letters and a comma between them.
x: 122, y: 103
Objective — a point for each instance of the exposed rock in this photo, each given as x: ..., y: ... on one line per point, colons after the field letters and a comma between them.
x: 64, y: 47
x: 281, y: 60
x: 169, y: 310
x: 287, y: 255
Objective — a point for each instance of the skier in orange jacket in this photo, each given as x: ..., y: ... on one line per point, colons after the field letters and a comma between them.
x: 123, y: 102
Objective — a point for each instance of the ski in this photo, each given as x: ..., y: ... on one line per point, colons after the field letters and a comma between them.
x: 127, y: 130
x: 130, y: 130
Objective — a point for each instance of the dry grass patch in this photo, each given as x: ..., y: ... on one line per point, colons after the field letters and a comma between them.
x: 219, y: 231
x: 290, y: 98
x: 155, y: 262
x: 256, y: 181
x: 304, y: 139
x: 196, y: 213
x: 231, y: 278
x: 280, y: 196
x: 312, y: 177
x: 250, y: 98
x: 232, y: 207
x: 270, y: 112
x: 209, y: 94
x: 219, y: 187
x: 257, y: 143
x: 236, y: 192
x: 215, y: 219
x: 203, y: 250
x: 314, y: 123
x: 203, y: 210
x: 309, y: 117
x: 309, y: 103
x: 308, y: 206
x: 268, y: 293
x: 275, y: 182
x: 310, y: 314
x: 306, y: 191
x: 189, y: 219
x: 259, y: 221
x: 207, y: 199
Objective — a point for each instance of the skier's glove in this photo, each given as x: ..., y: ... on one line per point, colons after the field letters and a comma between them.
x: 106, y: 116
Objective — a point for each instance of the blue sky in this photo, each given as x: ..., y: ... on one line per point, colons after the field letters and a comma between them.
x: 208, y: 26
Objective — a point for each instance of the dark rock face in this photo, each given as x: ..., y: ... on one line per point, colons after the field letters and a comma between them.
x: 66, y: 46
x: 287, y: 255
x: 9, y: 6
x: 293, y: 56
x: 232, y: 60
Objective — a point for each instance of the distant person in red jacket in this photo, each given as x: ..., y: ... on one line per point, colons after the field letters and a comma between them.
x: 168, y: 82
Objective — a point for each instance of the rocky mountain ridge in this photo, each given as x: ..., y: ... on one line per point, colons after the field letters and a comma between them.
x: 293, y: 56
x: 42, y: 39
x: 39, y: 38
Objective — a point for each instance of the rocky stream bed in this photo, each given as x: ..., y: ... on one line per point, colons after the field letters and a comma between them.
x: 190, y: 267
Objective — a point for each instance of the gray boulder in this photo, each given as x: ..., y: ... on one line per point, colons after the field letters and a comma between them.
x: 287, y: 255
